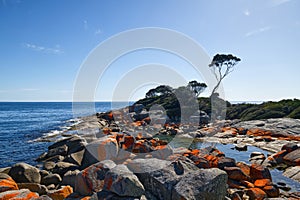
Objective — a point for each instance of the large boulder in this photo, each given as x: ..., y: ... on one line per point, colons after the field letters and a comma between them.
x: 121, y: 181
x: 91, y: 179
x: 24, y: 173
x: 160, y: 178
x: 105, y: 148
x: 201, y: 184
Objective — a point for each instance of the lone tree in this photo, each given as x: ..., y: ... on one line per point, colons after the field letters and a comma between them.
x: 197, y: 87
x: 222, y: 65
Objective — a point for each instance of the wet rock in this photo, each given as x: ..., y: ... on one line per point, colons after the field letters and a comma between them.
x: 34, y: 187
x: 7, y: 183
x: 91, y: 179
x: 23, y: 194
x: 69, y: 178
x: 24, y: 173
x: 256, y: 194
x: 259, y: 172
x: 60, y: 194
x: 201, y: 184
x: 121, y: 181
x: 51, y: 179
x: 292, y: 158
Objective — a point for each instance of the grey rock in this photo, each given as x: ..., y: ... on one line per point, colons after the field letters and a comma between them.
x: 5, y: 170
x: 49, y: 165
x: 44, y: 197
x: 51, y: 179
x: 62, y: 167
x: 24, y: 173
x: 74, y: 144
x: 43, y: 173
x: 201, y: 184
x: 292, y: 158
x: 293, y: 173
x: 147, y: 165
x: 34, y: 187
x: 121, y: 181
x: 61, y: 150
x: 75, y: 158
x: 70, y: 178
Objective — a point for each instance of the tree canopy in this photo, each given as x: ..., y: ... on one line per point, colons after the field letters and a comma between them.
x: 222, y: 65
x: 197, y: 87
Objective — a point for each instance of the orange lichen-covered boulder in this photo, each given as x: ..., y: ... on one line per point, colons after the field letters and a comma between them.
x: 62, y: 193
x: 7, y: 183
x: 256, y: 194
x: 271, y: 191
x: 259, y: 172
x: 262, y: 183
x: 23, y: 194
x: 91, y: 178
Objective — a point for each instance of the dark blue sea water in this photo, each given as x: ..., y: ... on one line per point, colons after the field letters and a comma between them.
x: 23, y: 122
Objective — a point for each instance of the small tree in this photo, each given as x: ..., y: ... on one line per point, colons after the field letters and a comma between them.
x: 222, y: 65
x: 197, y: 87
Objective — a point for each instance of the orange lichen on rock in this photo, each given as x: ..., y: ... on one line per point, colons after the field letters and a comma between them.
x: 256, y: 194
x: 262, y: 183
x: 62, y: 193
x: 8, y: 184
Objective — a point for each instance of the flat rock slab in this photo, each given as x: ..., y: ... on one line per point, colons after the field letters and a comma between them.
x: 293, y: 173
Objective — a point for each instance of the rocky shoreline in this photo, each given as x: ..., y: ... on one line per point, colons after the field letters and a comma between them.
x: 122, y: 159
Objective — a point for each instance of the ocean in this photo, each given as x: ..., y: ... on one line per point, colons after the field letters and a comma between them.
x: 23, y: 122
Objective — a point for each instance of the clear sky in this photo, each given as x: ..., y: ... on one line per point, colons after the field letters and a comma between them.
x: 43, y: 43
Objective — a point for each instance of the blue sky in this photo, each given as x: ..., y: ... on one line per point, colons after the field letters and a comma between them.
x: 44, y: 43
